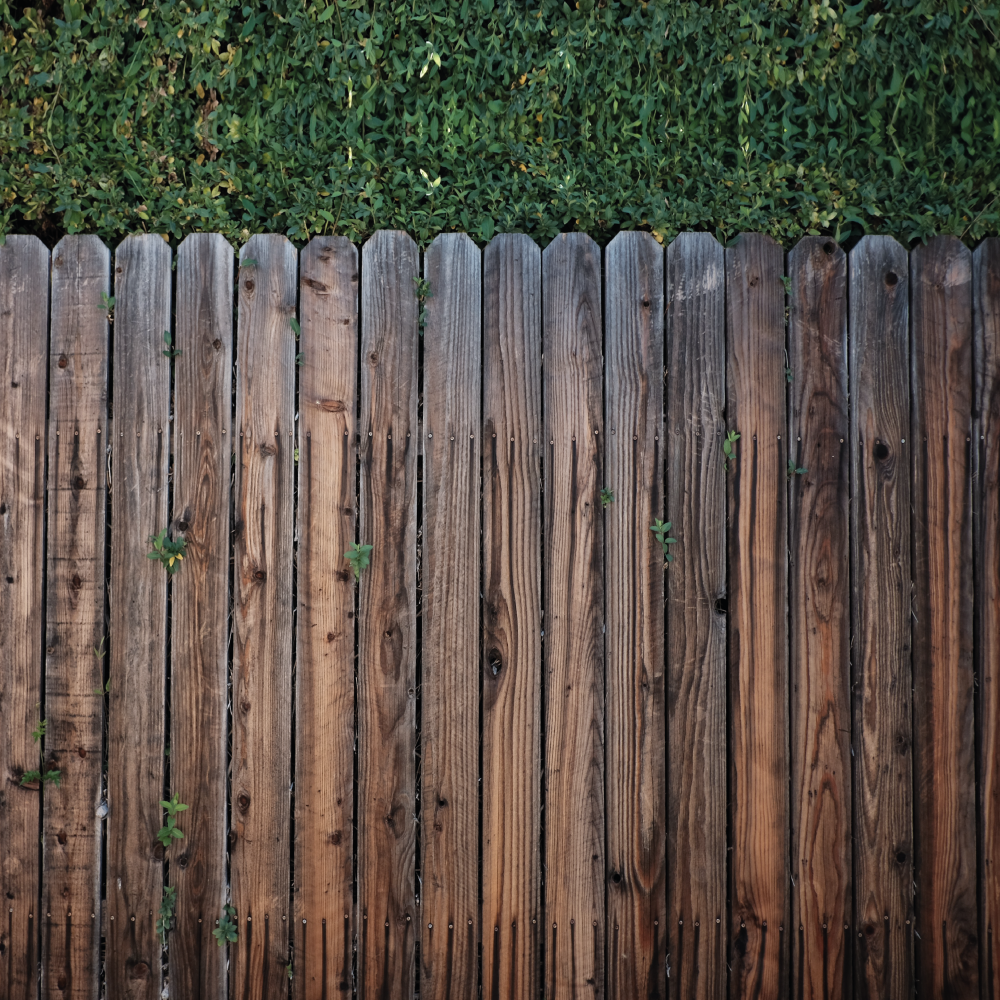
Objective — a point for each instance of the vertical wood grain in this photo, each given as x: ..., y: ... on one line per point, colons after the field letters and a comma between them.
x: 200, y: 607
x: 24, y: 320
x: 696, y: 617
x: 140, y: 462
x: 944, y: 746
x: 880, y: 627
x: 986, y: 299
x: 819, y: 619
x: 262, y: 617
x: 450, y: 609
x: 574, y: 618
x: 758, y: 605
x: 512, y: 622
x: 635, y: 738
x: 324, y: 689
x: 75, y: 643
x: 387, y: 635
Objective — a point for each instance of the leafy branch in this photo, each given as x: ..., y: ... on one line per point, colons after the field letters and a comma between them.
x: 43, y: 777
x: 226, y: 932
x: 169, y: 551
x: 661, y: 529
x: 170, y: 832
x: 729, y: 449
x: 358, y: 556
x: 168, y: 907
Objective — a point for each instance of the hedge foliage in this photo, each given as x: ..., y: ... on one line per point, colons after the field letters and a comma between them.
x: 308, y: 116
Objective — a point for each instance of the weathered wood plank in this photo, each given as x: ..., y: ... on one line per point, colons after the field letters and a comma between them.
x: 696, y: 617
x: 512, y: 618
x: 200, y: 607
x: 140, y: 461
x: 986, y: 299
x: 324, y: 689
x: 574, y: 618
x: 262, y: 613
x: 450, y: 583
x: 880, y: 626
x: 947, y: 962
x: 758, y: 604
x: 819, y: 620
x: 635, y: 735
x: 75, y: 642
x: 24, y: 317
x: 941, y: 374
x: 387, y: 634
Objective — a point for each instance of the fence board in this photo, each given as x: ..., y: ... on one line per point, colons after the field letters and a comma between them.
x: 24, y: 315
x: 324, y: 689
x: 696, y: 617
x: 635, y: 739
x: 200, y: 606
x: 450, y: 612
x: 944, y: 814
x: 512, y: 622
x: 986, y: 297
x: 819, y: 605
x: 758, y: 603
x: 74, y: 615
x: 880, y: 627
x: 262, y: 613
x: 574, y: 617
x: 140, y: 461
x: 387, y: 632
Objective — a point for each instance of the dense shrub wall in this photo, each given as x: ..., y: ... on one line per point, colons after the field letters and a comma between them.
x: 486, y: 115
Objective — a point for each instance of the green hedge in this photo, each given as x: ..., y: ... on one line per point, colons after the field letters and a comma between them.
x: 307, y: 116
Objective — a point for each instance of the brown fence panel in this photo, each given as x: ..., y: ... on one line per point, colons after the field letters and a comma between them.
x: 758, y: 607
x: 262, y: 617
x: 512, y: 618
x: 574, y: 618
x: 324, y: 658
x: 820, y: 607
x: 24, y: 316
x: 986, y: 501
x: 880, y: 627
x: 387, y: 631
x: 450, y: 610
x: 944, y: 756
x: 140, y: 463
x: 75, y: 644
x: 635, y: 736
x: 764, y: 769
x: 199, y: 608
x: 696, y: 617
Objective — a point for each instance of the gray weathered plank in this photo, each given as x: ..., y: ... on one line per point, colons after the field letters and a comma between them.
x: 140, y: 461
x: 324, y: 652
x: 450, y: 610
x: 758, y: 605
x: 75, y: 642
x: 24, y: 316
x: 262, y: 617
x: 574, y: 618
x: 947, y: 961
x: 696, y: 617
x: 635, y: 712
x: 880, y: 627
x: 512, y: 618
x: 819, y: 620
x: 986, y: 502
x: 200, y: 607
x: 387, y: 636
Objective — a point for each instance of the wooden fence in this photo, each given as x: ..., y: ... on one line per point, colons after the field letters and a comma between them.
x: 524, y: 756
